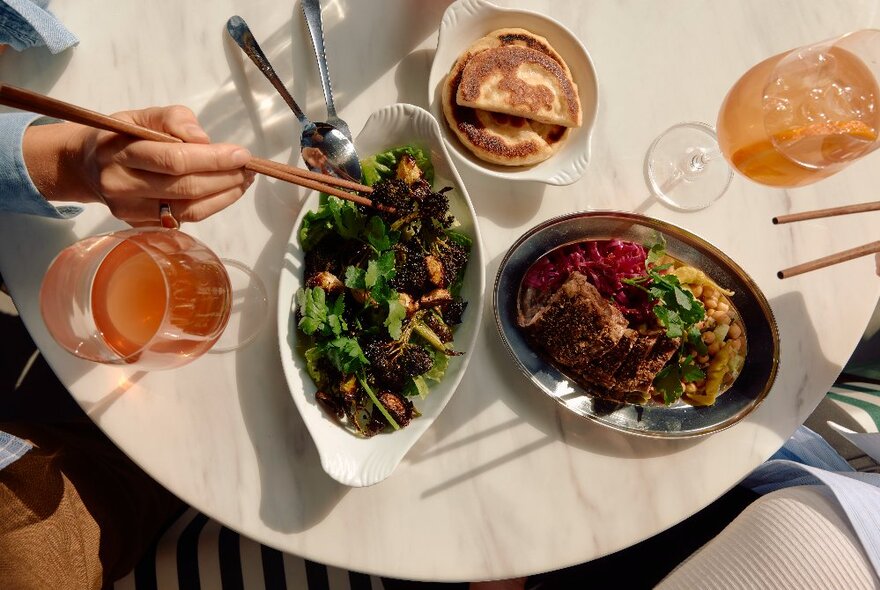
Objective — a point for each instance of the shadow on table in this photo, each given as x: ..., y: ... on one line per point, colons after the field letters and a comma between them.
x: 291, y: 459
x: 248, y: 111
x: 801, y: 357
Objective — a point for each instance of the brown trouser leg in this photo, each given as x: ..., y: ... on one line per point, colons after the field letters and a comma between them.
x: 75, y: 512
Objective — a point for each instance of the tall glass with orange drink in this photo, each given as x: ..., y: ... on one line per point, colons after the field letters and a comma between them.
x: 154, y: 298
x: 803, y: 115
x: 789, y: 121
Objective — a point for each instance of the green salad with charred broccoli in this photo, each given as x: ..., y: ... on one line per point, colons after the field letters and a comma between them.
x: 382, y: 294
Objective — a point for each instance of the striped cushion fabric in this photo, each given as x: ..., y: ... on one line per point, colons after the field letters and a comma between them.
x: 199, y: 553
x: 860, y: 399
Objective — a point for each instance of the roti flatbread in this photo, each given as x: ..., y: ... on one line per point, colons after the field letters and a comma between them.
x: 520, y: 81
x: 495, y: 137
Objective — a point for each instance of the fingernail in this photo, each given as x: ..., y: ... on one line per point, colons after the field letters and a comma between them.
x: 195, y: 132
x: 240, y: 157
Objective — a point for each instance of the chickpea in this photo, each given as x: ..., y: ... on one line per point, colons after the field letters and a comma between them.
x: 723, y: 306
x: 710, y: 303
x: 714, y: 348
x: 735, y: 344
x: 708, y: 337
x: 734, y: 332
x: 690, y: 388
x: 722, y: 317
x: 709, y: 292
x: 697, y: 290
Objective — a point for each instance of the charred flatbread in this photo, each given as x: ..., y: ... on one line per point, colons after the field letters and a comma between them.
x: 522, y: 82
x: 496, y: 137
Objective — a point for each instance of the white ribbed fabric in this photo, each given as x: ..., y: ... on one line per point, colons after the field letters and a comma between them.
x: 796, y: 538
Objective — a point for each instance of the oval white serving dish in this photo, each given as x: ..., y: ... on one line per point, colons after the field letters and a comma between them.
x: 466, y: 21
x: 348, y: 458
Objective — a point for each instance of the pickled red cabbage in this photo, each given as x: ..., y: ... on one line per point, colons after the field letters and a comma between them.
x: 605, y: 263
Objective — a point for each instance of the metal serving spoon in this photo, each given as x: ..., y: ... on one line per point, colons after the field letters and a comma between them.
x: 312, y: 11
x: 324, y: 147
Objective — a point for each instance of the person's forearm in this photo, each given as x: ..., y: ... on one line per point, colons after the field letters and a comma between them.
x: 55, y: 163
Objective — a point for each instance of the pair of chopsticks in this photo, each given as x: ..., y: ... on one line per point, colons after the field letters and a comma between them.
x: 26, y: 100
x: 872, y: 248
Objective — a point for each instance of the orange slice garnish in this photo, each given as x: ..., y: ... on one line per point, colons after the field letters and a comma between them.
x: 855, y: 129
x: 823, y: 144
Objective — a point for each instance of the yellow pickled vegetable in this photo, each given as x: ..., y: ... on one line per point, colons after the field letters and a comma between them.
x: 698, y: 399
x: 688, y: 275
x: 718, y: 368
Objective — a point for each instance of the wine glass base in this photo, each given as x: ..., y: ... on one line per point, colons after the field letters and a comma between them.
x: 250, y: 308
x: 684, y: 167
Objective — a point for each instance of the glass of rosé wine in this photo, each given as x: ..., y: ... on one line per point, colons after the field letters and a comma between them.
x: 150, y: 297
x: 791, y: 120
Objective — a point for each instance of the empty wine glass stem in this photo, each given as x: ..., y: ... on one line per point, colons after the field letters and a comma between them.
x: 697, y: 162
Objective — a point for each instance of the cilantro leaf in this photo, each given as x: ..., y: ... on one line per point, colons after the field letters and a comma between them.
x: 313, y: 309
x: 681, y: 299
x: 317, y: 317
x: 394, y: 320
x: 378, y: 236
x: 345, y: 353
x: 657, y: 251
x: 333, y: 214
x: 348, y: 220
x: 695, y: 338
x: 382, y: 267
x: 690, y: 371
x: 355, y: 278
x: 668, y: 382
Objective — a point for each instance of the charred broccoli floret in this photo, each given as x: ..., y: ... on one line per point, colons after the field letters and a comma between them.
x: 411, y: 272
x: 393, y: 193
x: 323, y: 258
x: 436, y: 206
x: 415, y: 360
x: 452, y: 255
x: 439, y: 327
x: 453, y: 311
x: 392, y: 362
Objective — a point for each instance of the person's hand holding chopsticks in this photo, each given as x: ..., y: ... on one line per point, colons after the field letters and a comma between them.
x: 133, y: 177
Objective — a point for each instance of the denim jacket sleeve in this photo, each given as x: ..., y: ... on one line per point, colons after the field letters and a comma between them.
x: 17, y: 191
x: 24, y: 24
x: 27, y: 23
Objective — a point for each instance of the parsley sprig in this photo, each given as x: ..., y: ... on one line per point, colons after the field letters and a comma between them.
x: 327, y: 324
x: 680, y: 313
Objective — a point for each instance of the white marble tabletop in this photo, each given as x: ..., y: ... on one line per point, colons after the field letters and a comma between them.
x: 505, y: 483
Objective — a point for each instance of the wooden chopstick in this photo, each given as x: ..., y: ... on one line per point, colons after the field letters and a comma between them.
x: 27, y: 100
x: 832, y: 212
x: 850, y: 254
